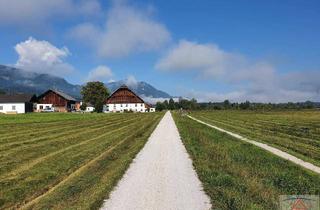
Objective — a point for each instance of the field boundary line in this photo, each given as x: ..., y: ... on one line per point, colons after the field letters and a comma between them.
x: 266, y: 147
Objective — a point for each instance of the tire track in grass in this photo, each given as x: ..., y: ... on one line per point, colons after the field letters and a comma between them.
x: 281, y: 132
x: 268, y: 148
x: 301, y: 142
x: 297, y: 147
x: 28, y: 165
x: 77, y: 172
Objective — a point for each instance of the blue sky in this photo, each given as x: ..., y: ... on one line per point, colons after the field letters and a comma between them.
x: 211, y: 50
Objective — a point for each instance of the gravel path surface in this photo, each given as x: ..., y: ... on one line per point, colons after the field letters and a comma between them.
x: 273, y: 150
x: 161, y: 176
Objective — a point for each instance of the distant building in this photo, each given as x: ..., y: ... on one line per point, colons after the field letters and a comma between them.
x: 61, y: 102
x: 17, y: 103
x: 150, y: 108
x: 89, y: 107
x: 124, y: 99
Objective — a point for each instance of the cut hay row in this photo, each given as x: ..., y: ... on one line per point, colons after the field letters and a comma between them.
x: 50, y: 167
x: 27, y: 153
x: 29, y: 164
x: 89, y: 173
x: 25, y: 131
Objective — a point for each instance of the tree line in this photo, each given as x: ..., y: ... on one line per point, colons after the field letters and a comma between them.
x: 247, y: 105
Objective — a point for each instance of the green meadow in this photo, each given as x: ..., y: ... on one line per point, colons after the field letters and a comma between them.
x: 238, y: 175
x: 296, y: 132
x: 67, y: 161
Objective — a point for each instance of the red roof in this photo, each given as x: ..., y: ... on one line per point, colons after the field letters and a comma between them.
x: 123, y: 95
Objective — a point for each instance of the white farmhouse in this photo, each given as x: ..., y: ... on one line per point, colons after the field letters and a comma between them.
x: 17, y: 104
x: 124, y: 99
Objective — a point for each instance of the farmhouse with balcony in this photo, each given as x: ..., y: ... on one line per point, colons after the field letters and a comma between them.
x: 17, y: 103
x: 58, y: 100
x: 124, y: 99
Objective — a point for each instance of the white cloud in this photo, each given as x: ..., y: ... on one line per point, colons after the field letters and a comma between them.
x: 207, y: 58
x: 100, y: 73
x: 38, y: 12
x: 256, y: 81
x: 131, y: 81
x: 127, y: 30
x: 42, y: 57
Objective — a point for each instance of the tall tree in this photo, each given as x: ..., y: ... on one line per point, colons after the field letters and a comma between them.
x: 96, y: 94
x: 171, y: 104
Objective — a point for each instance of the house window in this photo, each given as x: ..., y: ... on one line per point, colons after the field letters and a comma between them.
x: 136, y: 105
x: 13, y: 108
x: 1, y: 107
x: 126, y: 105
x: 41, y: 107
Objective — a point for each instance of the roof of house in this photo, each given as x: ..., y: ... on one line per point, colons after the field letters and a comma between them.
x: 123, y: 95
x: 62, y: 94
x: 17, y: 98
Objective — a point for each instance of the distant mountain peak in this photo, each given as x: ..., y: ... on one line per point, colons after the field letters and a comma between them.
x: 20, y: 81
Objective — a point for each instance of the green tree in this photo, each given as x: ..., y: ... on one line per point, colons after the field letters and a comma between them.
x: 96, y: 94
x: 83, y: 106
x: 226, y: 104
x: 171, y: 104
x: 165, y: 104
x: 159, y: 106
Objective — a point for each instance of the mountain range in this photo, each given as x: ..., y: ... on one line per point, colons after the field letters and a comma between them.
x: 14, y: 80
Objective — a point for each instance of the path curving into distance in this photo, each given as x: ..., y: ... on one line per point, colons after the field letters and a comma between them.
x: 160, y: 177
x: 266, y: 147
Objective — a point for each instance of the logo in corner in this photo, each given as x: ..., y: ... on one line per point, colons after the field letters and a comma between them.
x: 299, y: 202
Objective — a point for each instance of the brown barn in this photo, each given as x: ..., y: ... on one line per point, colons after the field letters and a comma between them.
x: 124, y: 99
x: 61, y: 102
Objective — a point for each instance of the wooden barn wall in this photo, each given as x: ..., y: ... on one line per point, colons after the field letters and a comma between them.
x: 53, y: 98
x: 124, y: 96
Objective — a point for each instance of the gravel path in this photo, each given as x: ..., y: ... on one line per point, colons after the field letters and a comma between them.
x: 161, y: 176
x: 273, y: 150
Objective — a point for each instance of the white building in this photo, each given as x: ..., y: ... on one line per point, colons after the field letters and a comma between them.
x: 124, y: 99
x: 16, y: 104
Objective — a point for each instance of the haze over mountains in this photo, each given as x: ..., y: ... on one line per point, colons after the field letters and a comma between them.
x: 15, y: 80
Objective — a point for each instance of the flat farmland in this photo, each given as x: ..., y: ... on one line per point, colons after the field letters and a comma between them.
x: 239, y: 175
x: 67, y: 161
x: 295, y: 132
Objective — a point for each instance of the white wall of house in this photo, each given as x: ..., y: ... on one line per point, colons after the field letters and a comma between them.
x: 89, y: 109
x: 152, y: 109
x: 135, y: 107
x: 12, y: 107
x: 43, y: 106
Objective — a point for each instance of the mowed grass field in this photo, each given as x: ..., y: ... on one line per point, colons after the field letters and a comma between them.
x: 238, y: 175
x: 67, y: 161
x: 296, y: 132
